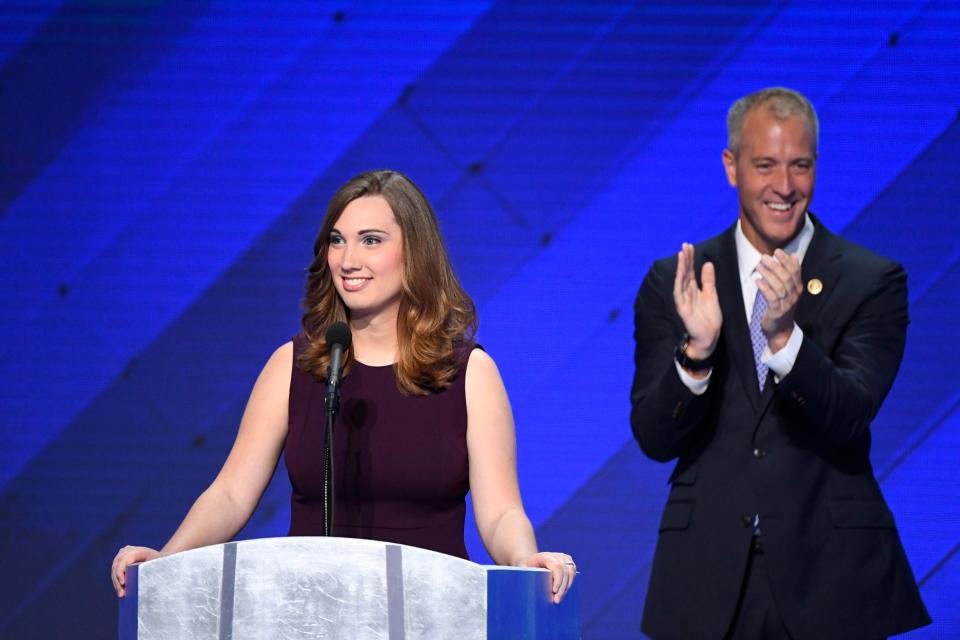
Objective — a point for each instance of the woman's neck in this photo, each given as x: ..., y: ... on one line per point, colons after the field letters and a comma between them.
x: 375, y: 340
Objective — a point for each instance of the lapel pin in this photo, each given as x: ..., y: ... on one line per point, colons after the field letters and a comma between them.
x: 814, y: 286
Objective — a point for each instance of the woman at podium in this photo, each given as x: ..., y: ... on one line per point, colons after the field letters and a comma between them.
x: 424, y: 416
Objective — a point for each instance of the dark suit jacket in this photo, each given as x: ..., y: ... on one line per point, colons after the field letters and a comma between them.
x: 798, y: 454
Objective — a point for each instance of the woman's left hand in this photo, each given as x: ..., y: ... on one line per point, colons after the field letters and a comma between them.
x: 561, y: 566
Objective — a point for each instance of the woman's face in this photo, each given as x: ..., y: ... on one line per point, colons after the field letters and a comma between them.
x: 365, y: 257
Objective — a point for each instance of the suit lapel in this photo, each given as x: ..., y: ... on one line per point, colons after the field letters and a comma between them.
x: 821, y: 267
x: 736, y: 333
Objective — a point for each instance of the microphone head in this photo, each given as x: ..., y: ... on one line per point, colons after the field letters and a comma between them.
x: 338, y: 333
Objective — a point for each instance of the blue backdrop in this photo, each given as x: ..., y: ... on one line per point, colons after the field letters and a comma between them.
x: 165, y: 166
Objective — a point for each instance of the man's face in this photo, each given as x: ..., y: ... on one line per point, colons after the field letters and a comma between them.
x: 774, y: 173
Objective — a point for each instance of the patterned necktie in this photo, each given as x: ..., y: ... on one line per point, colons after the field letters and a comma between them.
x: 758, y: 338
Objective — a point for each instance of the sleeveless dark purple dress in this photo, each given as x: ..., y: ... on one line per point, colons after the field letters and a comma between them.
x: 400, y: 462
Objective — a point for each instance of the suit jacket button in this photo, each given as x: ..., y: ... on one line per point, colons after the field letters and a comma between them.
x: 759, y: 453
x: 746, y: 521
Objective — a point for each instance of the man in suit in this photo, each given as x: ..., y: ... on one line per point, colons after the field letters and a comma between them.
x: 762, y: 355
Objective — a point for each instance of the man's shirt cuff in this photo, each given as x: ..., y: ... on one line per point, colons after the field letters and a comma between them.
x: 697, y: 386
x: 781, y: 362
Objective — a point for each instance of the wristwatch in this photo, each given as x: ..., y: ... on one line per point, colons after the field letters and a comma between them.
x: 688, y: 363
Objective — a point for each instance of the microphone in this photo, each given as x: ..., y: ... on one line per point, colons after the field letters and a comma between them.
x: 338, y: 341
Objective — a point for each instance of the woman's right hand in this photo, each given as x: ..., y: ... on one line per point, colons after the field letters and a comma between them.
x: 127, y: 556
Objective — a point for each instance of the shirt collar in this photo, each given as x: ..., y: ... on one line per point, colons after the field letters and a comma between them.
x: 748, y: 257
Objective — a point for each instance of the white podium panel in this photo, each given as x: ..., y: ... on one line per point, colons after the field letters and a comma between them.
x: 337, y: 588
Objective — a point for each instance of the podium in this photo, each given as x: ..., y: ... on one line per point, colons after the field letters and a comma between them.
x: 339, y: 588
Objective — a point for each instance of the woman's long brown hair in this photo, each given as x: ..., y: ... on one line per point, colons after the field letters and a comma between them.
x: 436, y: 315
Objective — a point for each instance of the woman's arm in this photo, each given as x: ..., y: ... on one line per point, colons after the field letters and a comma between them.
x: 222, y: 510
x: 491, y: 444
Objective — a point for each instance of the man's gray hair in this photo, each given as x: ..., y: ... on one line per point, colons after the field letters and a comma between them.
x: 779, y: 102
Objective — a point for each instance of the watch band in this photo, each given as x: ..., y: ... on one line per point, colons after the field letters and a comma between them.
x: 688, y: 363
